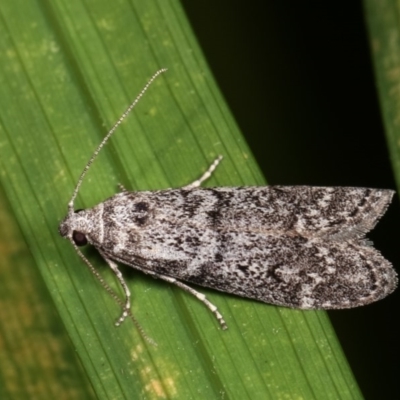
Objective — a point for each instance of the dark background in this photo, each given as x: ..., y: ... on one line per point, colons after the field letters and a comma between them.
x: 298, y: 78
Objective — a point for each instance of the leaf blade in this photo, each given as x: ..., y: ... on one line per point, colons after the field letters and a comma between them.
x: 177, y: 129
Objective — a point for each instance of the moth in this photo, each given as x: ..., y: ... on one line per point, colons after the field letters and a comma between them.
x: 294, y: 246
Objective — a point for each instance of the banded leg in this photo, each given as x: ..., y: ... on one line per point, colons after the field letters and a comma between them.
x: 122, y: 188
x: 127, y: 306
x: 205, y: 176
x: 198, y: 295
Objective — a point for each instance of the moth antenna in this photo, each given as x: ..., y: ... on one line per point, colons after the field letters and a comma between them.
x: 114, y: 295
x: 109, y: 134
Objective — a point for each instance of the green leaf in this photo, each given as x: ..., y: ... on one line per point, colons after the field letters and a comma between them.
x: 384, y: 31
x: 69, y: 69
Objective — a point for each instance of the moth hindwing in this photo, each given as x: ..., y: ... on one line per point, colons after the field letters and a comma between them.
x: 295, y: 246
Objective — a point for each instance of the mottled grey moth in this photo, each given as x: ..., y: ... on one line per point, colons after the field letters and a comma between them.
x: 294, y: 246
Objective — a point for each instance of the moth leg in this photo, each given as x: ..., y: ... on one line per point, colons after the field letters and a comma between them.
x: 199, y: 296
x: 122, y: 188
x: 114, y: 295
x: 205, y: 176
x: 127, y: 306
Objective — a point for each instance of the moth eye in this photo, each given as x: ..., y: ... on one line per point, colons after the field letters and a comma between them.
x: 78, y: 210
x: 79, y: 238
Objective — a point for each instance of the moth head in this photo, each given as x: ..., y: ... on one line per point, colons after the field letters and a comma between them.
x: 74, y: 227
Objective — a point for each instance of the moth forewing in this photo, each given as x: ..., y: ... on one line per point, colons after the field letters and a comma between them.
x: 265, y: 243
x: 295, y: 246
